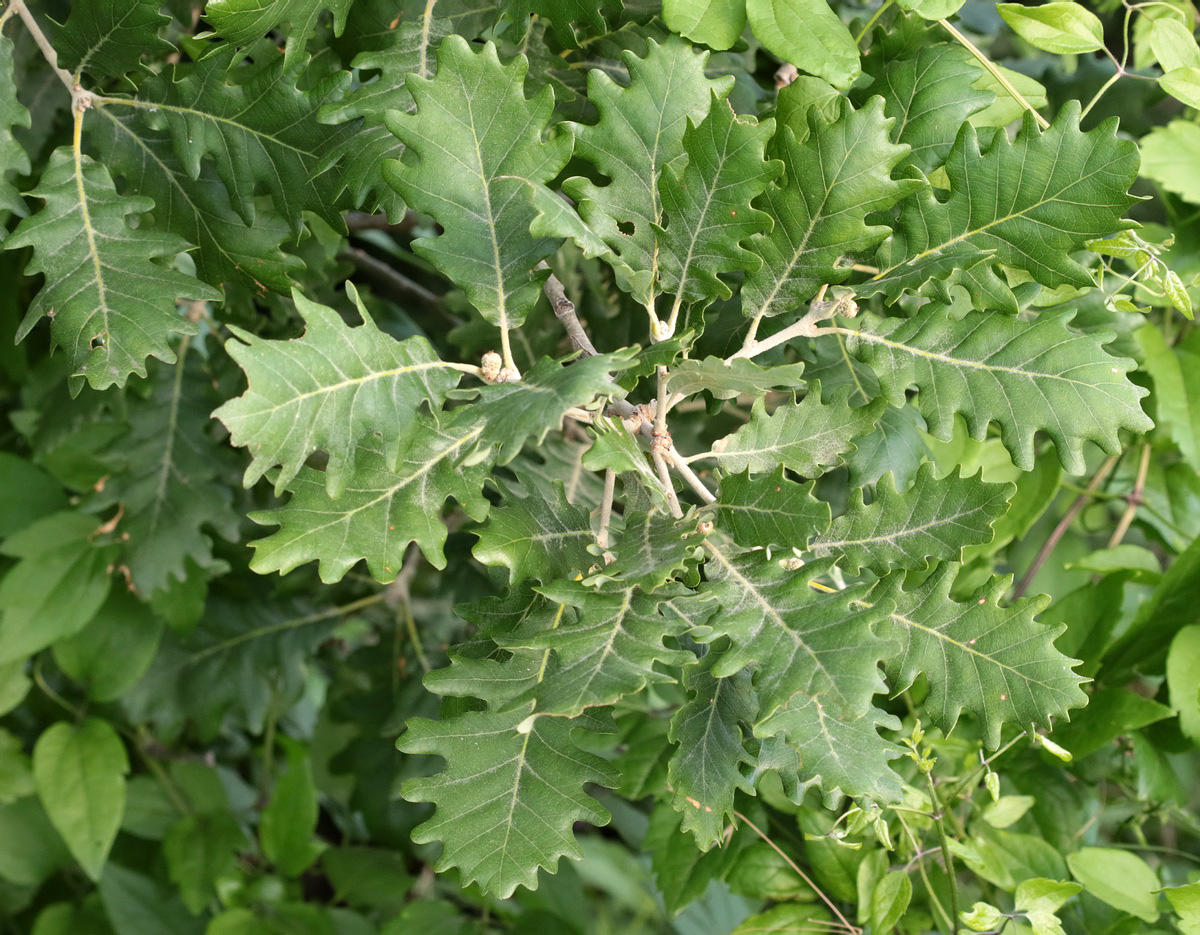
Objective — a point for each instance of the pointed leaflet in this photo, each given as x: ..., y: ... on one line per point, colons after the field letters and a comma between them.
x: 641, y: 129
x: 995, y: 662
x: 769, y: 511
x: 507, y: 801
x: 838, y: 175
x: 107, y: 38
x: 727, y: 379
x: 706, y: 213
x: 243, y: 21
x: 538, y: 535
x: 381, y: 510
x: 705, y: 769
x: 606, y: 649
x: 112, y: 305
x: 936, y: 519
x: 475, y: 147
x: 13, y: 158
x: 328, y: 389
x: 991, y: 367
x: 804, y: 645
x: 804, y: 437
x: 1031, y: 201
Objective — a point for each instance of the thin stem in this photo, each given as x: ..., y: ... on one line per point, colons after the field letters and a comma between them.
x: 664, y: 478
x: 396, y: 281
x: 1099, y: 94
x: 564, y: 311
x: 933, y: 898
x: 1134, y: 500
x: 606, y: 505
x: 44, y: 45
x: 399, y: 596
x: 994, y: 71
x: 268, y: 751
x: 939, y: 822
x: 872, y: 21
x: 974, y: 777
x: 679, y: 463
x: 661, y: 404
x: 1060, y: 530
x: 40, y: 680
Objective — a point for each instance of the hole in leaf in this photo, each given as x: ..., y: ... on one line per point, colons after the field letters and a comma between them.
x: 626, y: 228
x: 96, y: 342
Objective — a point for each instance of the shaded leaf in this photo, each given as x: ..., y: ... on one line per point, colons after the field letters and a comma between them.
x: 727, y: 379
x: 107, y: 38
x: 769, y: 511
x: 243, y: 21
x: 536, y: 535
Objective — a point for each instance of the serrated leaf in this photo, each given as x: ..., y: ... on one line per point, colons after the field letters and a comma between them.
x: 991, y: 367
x: 13, y: 158
x: 804, y: 437
x: 475, y: 146
x: 995, y: 662
x: 1032, y: 201
x: 727, y: 379
x: 839, y: 174
x: 706, y: 204
x: 769, y: 511
x: 328, y: 389
x: 79, y: 771
x: 507, y: 800
x: 107, y: 38
x: 560, y: 14
x: 935, y: 519
x: 640, y: 130
x: 705, y: 769
x: 112, y: 306
x: 243, y: 21
x: 536, y: 535
x: 895, y: 445
x: 808, y: 34
x: 381, y: 510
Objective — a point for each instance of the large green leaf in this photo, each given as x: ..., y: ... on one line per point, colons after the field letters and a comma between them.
x: 326, y: 390
x: 653, y: 546
x: 727, y: 379
x: 839, y: 174
x: 509, y: 797
x: 1169, y: 155
x: 808, y: 34
x: 1026, y: 204
x: 107, y: 38
x: 475, y: 149
x: 769, y: 510
x: 536, y: 534
x: 1025, y: 376
x: 993, y: 661
x: 13, y: 159
x: 112, y: 305
x: 243, y: 21
x: 935, y: 519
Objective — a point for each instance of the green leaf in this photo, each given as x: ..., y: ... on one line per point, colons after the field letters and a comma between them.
x: 1110, y: 713
x: 536, y: 534
x: 79, y: 771
x: 896, y: 445
x: 1183, y: 84
x: 728, y: 379
x: 474, y: 148
x: 1061, y: 27
x: 769, y: 511
x: 804, y: 437
x: 1118, y: 878
x: 1027, y: 204
x: 30, y: 849
x: 706, y: 212
x: 932, y: 9
x: 1183, y: 679
x: 112, y: 306
x: 136, y: 905
x: 201, y: 850
x: 653, y: 546
x: 114, y: 650
x: 40, y: 494
x: 59, y: 582
x: 16, y: 778
x: 717, y: 24
x: 808, y: 34
x: 13, y: 159
x: 290, y: 818
x: 561, y: 14
x: 243, y: 21
x: 327, y: 390
x: 641, y: 129
x: 1007, y: 810
x: 107, y: 38
x: 839, y: 174
x: 507, y: 800
x: 1177, y: 388
x: 890, y: 899
x: 381, y: 511
x: 705, y: 769
x: 1174, y: 44
x: 991, y: 367
x: 995, y: 662
x: 1185, y: 900
x: 935, y: 519
x: 1040, y: 894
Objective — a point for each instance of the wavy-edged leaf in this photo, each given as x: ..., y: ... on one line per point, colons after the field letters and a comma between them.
x: 536, y: 535
x: 112, y: 306
x: 769, y: 510
x: 727, y: 379
x: 653, y: 546
x: 382, y: 508
x: 474, y: 148
x: 107, y: 38
x: 640, y: 130
x: 13, y: 158
x: 993, y: 661
x: 561, y: 14
x: 1030, y: 202
x: 507, y: 800
x: 328, y: 389
x: 839, y: 174
x: 706, y: 767
x: 935, y: 519
x: 242, y: 21
x: 896, y: 445
x: 805, y: 437
x: 1024, y: 376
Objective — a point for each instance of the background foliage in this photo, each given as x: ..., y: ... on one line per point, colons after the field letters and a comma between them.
x: 912, y: 286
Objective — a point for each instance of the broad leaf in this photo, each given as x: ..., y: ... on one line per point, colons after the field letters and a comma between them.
x: 508, y: 799
x: 114, y: 650
x: 1169, y: 155
x: 769, y: 511
x: 475, y: 147
x: 107, y: 38
x: 537, y: 534
x: 839, y: 174
x: 112, y: 305
x: 717, y: 24
x: 808, y: 34
x: 243, y: 21
x: 936, y: 519
x: 653, y: 547
x: 995, y: 662
x: 727, y: 379
x: 13, y: 159
x: 290, y: 818
x: 1025, y: 376
x: 328, y: 389
x: 1027, y: 203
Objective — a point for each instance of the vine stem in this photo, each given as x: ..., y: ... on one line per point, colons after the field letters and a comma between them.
x: 1134, y: 500
x: 872, y: 21
x: 939, y: 822
x: 1060, y: 530
x: 994, y: 71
